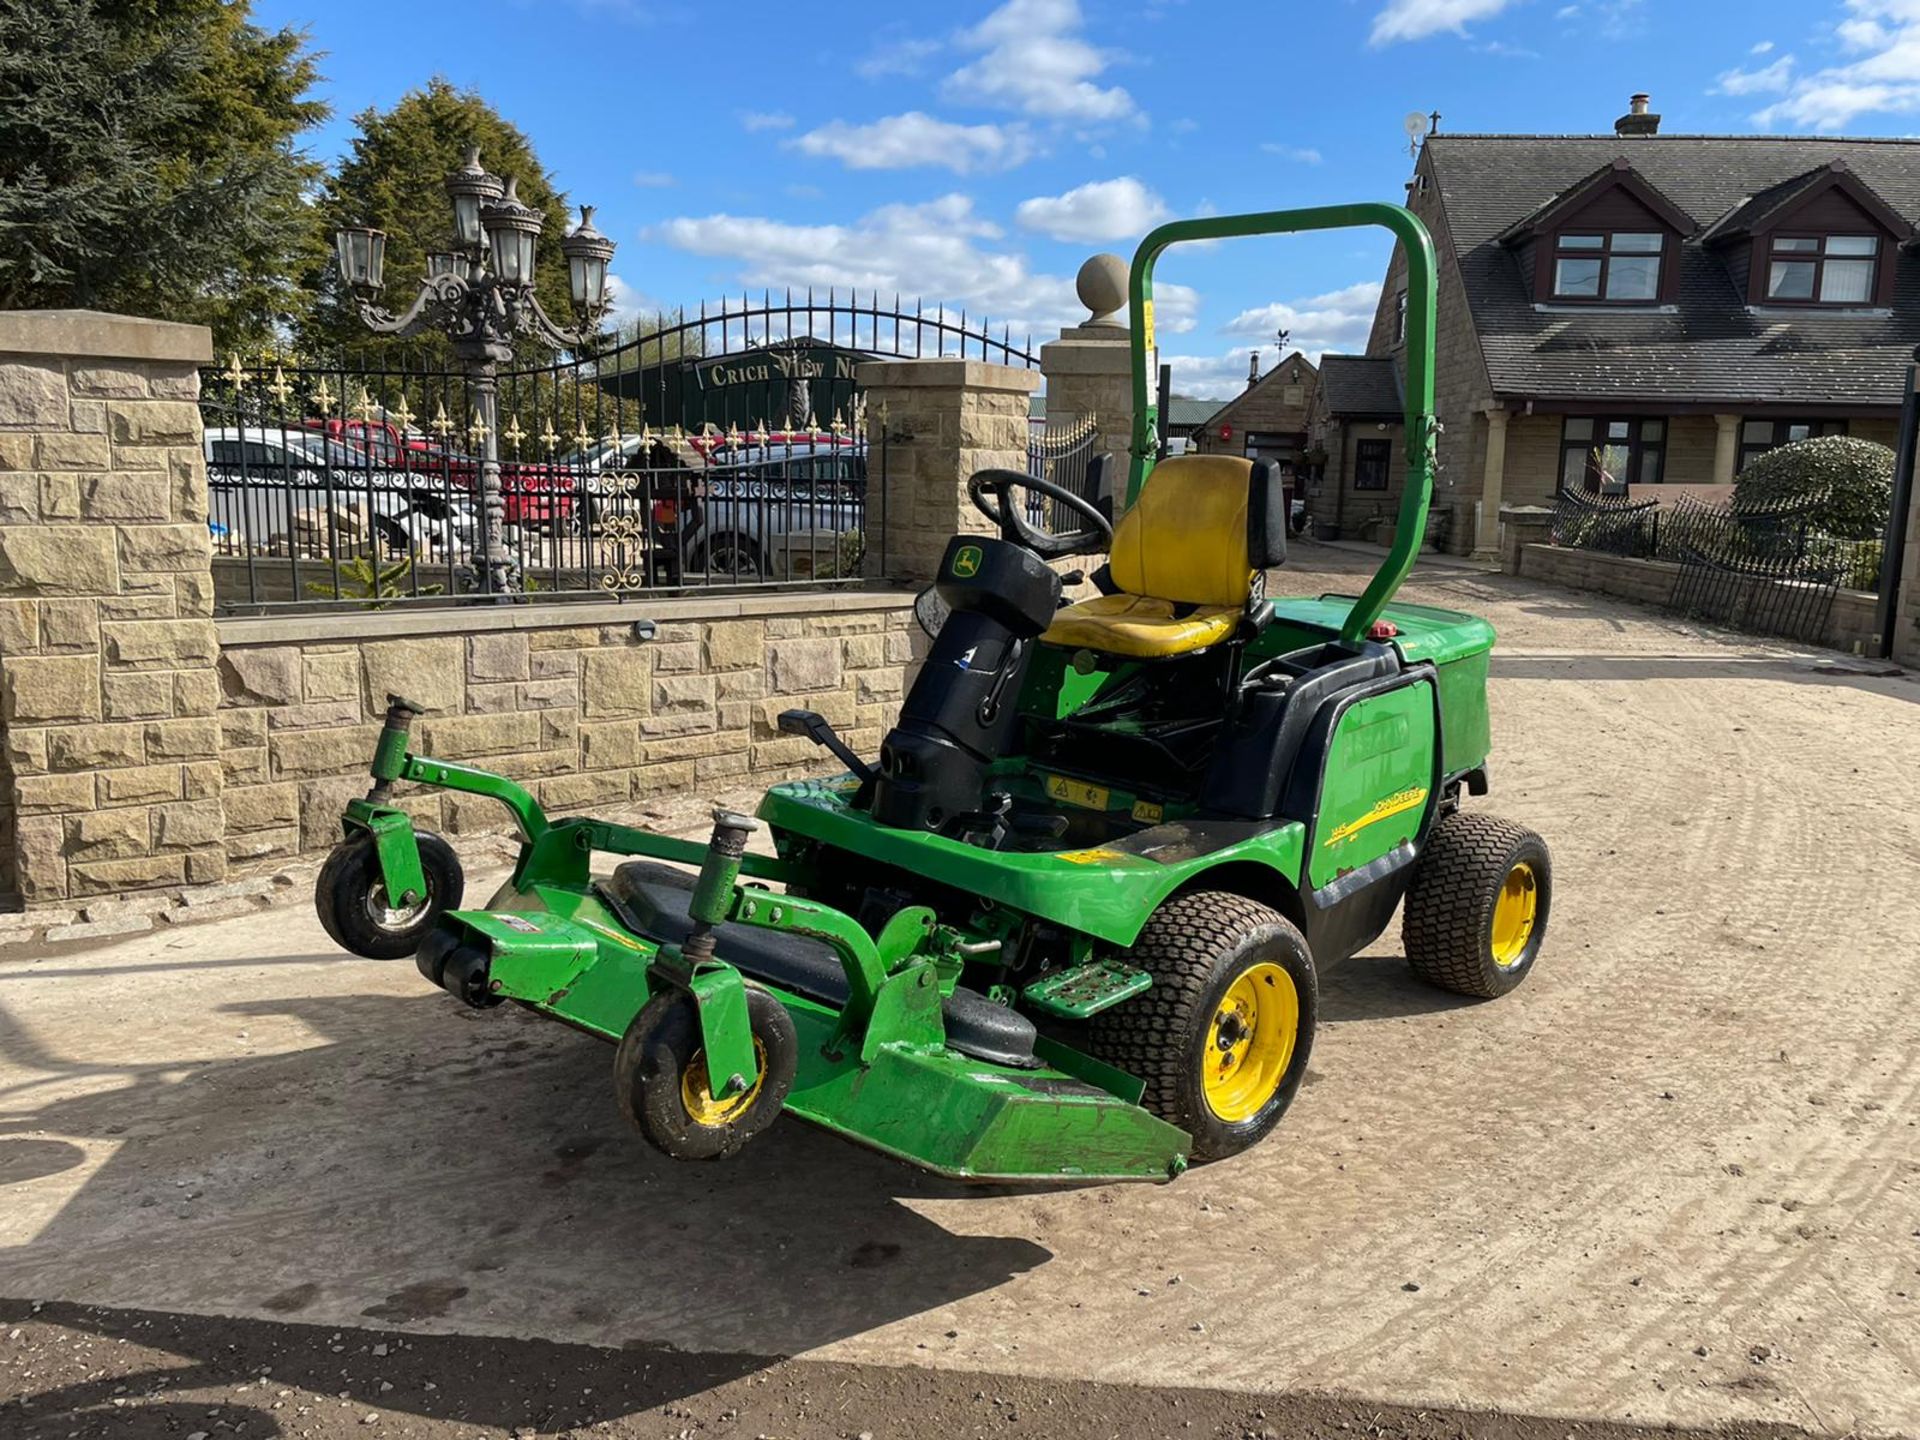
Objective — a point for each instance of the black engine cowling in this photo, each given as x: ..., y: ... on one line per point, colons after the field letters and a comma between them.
x: 961, y: 713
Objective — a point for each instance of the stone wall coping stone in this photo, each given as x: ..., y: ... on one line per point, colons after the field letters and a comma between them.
x: 1087, y: 357
x: 949, y: 374
x: 353, y: 626
x: 95, y: 335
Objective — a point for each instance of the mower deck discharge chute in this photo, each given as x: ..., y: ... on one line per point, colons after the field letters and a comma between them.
x: 1068, y: 925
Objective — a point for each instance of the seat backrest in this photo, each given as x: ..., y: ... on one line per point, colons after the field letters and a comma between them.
x: 1203, y: 526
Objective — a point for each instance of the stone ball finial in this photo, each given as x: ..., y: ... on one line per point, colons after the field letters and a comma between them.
x: 1102, y: 287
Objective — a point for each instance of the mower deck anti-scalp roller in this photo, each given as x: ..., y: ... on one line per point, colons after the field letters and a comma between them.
x: 1069, y: 923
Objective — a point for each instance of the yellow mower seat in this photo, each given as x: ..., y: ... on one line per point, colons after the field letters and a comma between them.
x: 1186, y: 560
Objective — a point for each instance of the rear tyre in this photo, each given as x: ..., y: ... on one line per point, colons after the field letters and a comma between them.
x: 1222, y: 1038
x: 1476, y: 912
x: 350, y: 897
x: 660, y: 1077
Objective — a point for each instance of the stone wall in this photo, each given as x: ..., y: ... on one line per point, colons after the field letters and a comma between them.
x: 567, y: 699
x: 147, y: 747
x: 1089, y: 372
x: 110, y: 778
x: 934, y: 423
x: 1850, y: 621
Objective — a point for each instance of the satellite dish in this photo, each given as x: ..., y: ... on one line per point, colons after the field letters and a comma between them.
x: 1415, y: 124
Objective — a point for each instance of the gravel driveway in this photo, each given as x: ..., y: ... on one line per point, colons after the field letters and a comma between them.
x: 1673, y: 1179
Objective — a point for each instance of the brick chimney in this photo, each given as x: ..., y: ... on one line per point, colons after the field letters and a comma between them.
x: 1637, y: 120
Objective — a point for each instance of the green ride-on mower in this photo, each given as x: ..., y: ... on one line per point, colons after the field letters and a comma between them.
x: 1069, y: 924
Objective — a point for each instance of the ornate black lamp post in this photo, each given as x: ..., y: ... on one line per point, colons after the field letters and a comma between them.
x: 480, y: 295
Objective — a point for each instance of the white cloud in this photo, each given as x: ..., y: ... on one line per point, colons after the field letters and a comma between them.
x: 1034, y: 60
x: 1212, y: 377
x: 1417, y: 19
x: 653, y: 179
x: 900, y: 56
x: 1303, y: 154
x: 628, y: 304
x: 765, y: 120
x: 1339, y: 320
x: 899, y: 142
x: 1883, y: 77
x: 1121, y: 209
x: 941, y: 252
x: 1761, y: 47
x: 1767, y: 79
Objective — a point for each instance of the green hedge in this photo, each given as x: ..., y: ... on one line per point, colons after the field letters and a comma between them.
x: 1838, y: 484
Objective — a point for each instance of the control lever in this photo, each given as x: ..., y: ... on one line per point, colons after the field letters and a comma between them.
x: 816, y: 727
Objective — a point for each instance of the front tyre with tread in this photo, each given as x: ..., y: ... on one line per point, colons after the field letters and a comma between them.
x: 1222, y: 1038
x: 660, y: 1077
x: 1476, y: 912
x: 350, y: 897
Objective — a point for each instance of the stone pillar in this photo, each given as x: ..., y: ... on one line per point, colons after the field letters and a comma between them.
x: 1089, y: 370
x: 930, y: 425
x: 1486, y: 545
x: 110, y: 772
x: 1726, y: 448
x: 1906, y: 613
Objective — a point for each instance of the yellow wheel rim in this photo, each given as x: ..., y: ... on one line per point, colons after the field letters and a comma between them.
x: 702, y: 1108
x: 1513, y: 915
x: 1250, y: 1042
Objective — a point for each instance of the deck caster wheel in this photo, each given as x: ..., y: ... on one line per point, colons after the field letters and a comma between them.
x: 660, y: 1077
x: 351, y: 900
x: 1222, y: 1038
x: 1476, y: 912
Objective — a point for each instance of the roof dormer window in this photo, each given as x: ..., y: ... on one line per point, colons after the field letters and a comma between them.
x: 1823, y: 269
x: 1618, y: 266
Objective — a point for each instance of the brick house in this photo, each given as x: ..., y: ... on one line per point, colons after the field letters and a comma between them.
x: 1635, y: 312
x: 1268, y: 419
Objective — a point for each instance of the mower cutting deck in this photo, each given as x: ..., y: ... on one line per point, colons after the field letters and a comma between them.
x: 1068, y: 925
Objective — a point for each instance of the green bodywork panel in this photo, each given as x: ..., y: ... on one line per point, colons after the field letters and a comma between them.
x: 1379, y: 781
x: 1105, y: 891
x: 561, y: 951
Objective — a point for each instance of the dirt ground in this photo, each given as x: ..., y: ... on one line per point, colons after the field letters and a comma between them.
x: 1675, y: 1179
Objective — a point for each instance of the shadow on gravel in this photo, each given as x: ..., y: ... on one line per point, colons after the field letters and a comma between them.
x: 236, y: 1369
x: 424, y: 1165
x: 1380, y: 987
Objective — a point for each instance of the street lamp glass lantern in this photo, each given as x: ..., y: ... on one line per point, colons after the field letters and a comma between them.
x: 587, y: 252
x: 445, y: 262
x: 362, y: 255
x: 512, y: 229
x: 470, y: 188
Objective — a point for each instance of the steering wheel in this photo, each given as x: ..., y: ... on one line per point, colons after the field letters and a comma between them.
x: 991, y: 493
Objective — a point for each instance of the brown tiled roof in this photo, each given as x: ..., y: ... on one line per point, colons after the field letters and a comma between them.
x: 1710, y: 348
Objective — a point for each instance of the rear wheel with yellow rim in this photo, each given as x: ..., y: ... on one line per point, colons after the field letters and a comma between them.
x: 1222, y: 1038
x: 1476, y: 913
x: 660, y: 1077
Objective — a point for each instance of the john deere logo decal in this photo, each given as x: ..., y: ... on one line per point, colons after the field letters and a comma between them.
x: 1393, y: 805
x: 966, y: 562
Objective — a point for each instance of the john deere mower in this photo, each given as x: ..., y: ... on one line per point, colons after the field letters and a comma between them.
x: 1069, y: 923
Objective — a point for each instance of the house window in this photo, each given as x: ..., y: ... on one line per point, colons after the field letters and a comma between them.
x: 1823, y: 269
x: 1370, y: 459
x: 1605, y: 454
x: 1400, y: 318
x: 1618, y: 266
x: 1757, y: 437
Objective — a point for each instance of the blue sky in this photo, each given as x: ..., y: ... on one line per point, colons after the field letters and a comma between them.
x: 975, y: 153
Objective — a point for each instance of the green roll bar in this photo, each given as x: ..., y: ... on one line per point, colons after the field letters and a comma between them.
x: 1421, y: 428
